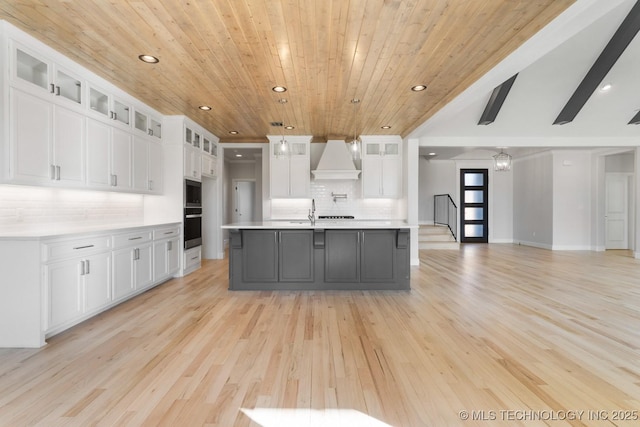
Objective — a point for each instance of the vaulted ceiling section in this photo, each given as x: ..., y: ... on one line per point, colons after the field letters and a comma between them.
x: 229, y: 54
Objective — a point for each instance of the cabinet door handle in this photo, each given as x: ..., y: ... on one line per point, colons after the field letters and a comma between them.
x: 150, y: 184
x: 195, y: 257
x: 169, y: 245
x: 115, y: 116
x: 52, y: 88
x: 53, y: 172
x: 82, y: 268
x: 151, y: 132
x: 57, y: 90
x: 135, y: 238
x: 57, y: 173
x: 168, y: 232
x: 114, y: 180
x: 88, y: 267
x: 83, y: 247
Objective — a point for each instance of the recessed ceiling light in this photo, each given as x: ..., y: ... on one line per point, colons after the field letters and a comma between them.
x: 233, y: 132
x: 605, y: 87
x: 385, y: 127
x: 289, y: 127
x: 204, y: 107
x: 432, y: 154
x: 238, y: 155
x: 418, y: 88
x: 279, y: 89
x: 149, y: 59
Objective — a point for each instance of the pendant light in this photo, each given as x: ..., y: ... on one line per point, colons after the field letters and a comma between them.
x: 282, y: 149
x: 355, y: 143
x: 502, y: 162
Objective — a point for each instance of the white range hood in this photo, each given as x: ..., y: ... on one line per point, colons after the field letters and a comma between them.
x: 336, y: 162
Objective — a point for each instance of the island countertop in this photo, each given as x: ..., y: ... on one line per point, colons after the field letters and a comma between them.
x: 362, y: 224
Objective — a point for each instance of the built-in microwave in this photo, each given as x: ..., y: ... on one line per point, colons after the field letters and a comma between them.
x: 192, y: 194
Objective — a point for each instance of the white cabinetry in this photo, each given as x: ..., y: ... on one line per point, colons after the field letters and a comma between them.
x: 77, y: 279
x: 209, y: 166
x: 156, y: 177
x: 132, y: 263
x: 47, y: 141
x: 108, y: 107
x: 192, y: 163
x: 192, y: 259
x: 64, y: 129
x: 290, y: 173
x: 166, y: 252
x: 33, y: 72
x: 147, y: 124
x: 381, y: 167
x: 109, y: 154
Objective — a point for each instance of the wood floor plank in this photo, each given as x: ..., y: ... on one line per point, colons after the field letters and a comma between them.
x: 487, y: 329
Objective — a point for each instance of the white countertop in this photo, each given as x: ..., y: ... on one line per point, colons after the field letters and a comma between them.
x: 321, y: 224
x: 43, y: 231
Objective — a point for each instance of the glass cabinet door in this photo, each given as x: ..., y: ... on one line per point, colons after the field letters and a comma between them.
x: 140, y: 122
x: 121, y: 112
x: 32, y: 69
x: 206, y: 145
x: 196, y: 140
x: 372, y: 149
x: 98, y: 101
x: 156, y: 128
x: 68, y: 87
x: 188, y: 136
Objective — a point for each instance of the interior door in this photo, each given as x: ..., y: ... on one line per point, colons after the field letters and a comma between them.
x: 474, y: 210
x: 616, y: 211
x: 244, y: 196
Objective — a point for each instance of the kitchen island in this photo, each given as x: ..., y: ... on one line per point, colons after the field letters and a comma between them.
x: 327, y: 255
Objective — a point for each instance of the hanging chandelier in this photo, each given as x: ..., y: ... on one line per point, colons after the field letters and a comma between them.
x: 502, y: 162
x: 282, y: 149
x: 355, y: 143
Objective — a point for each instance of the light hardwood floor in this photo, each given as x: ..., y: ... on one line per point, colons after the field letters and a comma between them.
x: 513, y: 331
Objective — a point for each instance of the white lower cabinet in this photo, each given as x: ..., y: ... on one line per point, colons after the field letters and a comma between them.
x: 89, y: 274
x: 132, y: 264
x: 77, y: 286
x: 166, y: 258
x: 192, y: 259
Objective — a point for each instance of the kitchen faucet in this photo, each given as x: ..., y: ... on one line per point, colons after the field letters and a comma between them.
x: 312, y: 212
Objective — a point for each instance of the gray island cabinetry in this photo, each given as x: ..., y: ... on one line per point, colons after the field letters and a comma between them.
x: 317, y: 257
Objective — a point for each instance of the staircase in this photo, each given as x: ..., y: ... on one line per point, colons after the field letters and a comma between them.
x: 436, y: 237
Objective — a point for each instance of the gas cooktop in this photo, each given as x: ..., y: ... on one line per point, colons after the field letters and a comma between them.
x: 336, y: 217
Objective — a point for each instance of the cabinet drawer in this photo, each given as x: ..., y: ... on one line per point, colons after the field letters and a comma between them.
x: 76, y: 247
x: 131, y: 239
x: 166, y: 232
x: 192, y: 259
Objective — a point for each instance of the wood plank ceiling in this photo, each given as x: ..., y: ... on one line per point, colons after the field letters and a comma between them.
x: 229, y: 54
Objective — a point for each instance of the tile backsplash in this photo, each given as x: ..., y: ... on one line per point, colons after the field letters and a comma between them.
x: 24, y: 206
x: 353, y: 204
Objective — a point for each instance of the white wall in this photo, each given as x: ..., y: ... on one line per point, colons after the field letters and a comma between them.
x: 435, y: 177
x: 571, y: 199
x: 533, y: 200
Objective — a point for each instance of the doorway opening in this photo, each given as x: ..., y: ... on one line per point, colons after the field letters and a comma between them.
x: 243, y: 200
x: 474, y: 207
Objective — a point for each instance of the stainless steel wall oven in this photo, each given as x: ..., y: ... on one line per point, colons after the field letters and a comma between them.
x: 192, y: 214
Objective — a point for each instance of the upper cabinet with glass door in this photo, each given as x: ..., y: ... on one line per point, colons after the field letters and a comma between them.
x: 147, y: 124
x: 106, y: 106
x: 209, y: 146
x: 38, y: 75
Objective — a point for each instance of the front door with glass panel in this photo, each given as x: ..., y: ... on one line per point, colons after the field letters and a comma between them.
x: 474, y: 218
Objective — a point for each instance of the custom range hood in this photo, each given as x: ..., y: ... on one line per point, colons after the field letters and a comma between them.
x: 336, y: 162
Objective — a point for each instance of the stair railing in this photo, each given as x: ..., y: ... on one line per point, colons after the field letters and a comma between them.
x: 445, y: 212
